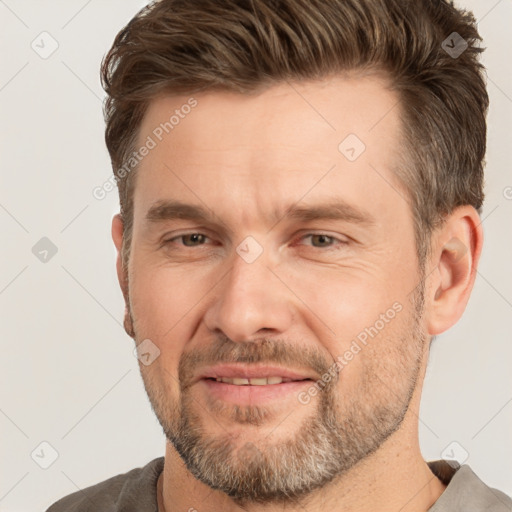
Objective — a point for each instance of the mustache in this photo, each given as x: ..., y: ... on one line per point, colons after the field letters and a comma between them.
x: 270, y: 351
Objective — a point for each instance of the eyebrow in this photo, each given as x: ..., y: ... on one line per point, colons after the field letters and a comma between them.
x: 333, y: 209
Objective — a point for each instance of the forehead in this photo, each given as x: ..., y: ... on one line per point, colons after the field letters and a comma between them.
x: 314, y: 139
x: 289, y: 112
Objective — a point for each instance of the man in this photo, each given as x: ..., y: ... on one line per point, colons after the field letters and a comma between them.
x: 300, y: 185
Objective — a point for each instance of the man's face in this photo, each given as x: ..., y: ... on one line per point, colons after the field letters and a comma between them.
x: 255, y: 288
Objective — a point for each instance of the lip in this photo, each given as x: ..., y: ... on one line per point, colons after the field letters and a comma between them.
x: 253, y: 371
x: 253, y: 395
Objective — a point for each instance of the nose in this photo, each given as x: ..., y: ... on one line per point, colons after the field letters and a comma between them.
x: 250, y: 302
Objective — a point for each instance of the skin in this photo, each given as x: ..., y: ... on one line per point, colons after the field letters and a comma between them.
x: 244, y: 157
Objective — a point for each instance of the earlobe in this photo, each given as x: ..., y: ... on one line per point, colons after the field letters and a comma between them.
x: 460, y: 244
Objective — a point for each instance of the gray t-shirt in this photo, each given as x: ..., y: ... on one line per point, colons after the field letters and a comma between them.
x: 135, y: 491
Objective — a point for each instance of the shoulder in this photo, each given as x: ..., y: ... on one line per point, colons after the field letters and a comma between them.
x: 468, y: 493
x: 128, y: 492
x: 478, y: 494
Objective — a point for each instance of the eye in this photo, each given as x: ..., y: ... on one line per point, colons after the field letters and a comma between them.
x: 325, y: 241
x: 319, y: 240
x: 195, y: 239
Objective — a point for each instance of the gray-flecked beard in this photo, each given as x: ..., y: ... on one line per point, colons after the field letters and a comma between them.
x: 342, y: 432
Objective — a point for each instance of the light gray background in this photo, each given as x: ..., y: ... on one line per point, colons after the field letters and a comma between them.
x: 68, y: 375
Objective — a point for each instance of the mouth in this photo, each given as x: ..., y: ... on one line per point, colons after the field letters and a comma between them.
x: 253, y: 374
x: 253, y: 384
x: 254, y: 381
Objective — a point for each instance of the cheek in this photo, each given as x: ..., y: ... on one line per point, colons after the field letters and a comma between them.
x: 359, y: 317
x: 381, y: 357
x: 345, y: 301
x: 164, y: 304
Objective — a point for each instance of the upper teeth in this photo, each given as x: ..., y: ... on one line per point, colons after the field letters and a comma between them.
x: 256, y: 381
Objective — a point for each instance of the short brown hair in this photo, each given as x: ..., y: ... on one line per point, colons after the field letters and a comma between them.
x: 187, y: 46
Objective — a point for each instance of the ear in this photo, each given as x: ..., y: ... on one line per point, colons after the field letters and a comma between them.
x: 457, y: 246
x: 122, y: 273
x: 117, y: 237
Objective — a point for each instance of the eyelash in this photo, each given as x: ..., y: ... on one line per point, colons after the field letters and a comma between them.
x: 341, y: 242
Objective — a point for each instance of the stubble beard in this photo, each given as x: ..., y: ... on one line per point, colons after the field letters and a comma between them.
x: 342, y: 432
